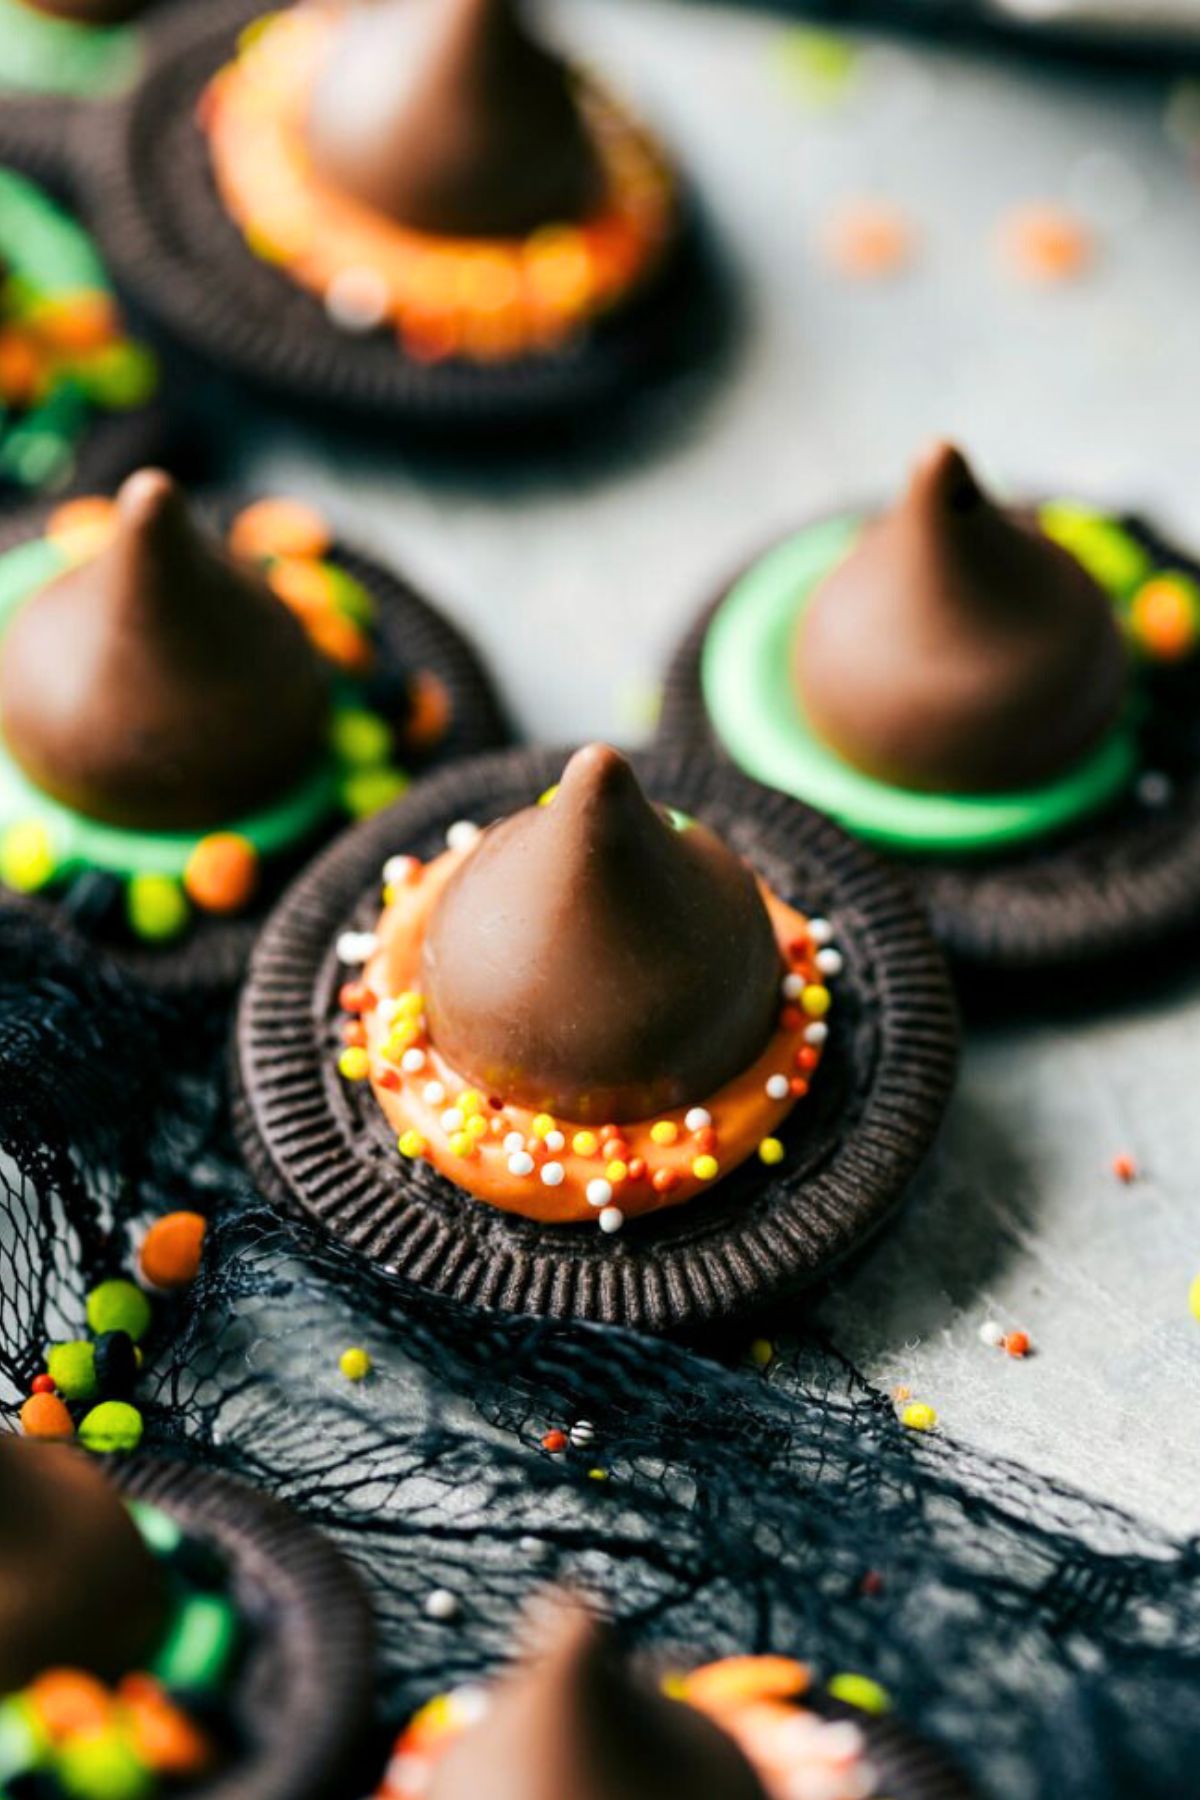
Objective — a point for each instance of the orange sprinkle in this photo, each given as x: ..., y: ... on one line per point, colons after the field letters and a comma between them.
x: 21, y: 369
x: 78, y: 323
x: 1163, y: 617
x: 429, y: 713
x: 341, y: 641
x: 164, y: 1737
x: 663, y: 1180
x: 1045, y: 244
x: 45, y: 1416
x: 279, y: 527
x: 867, y: 240
x: 354, y: 1034
x: 222, y: 873
x: 1124, y: 1167
x: 739, y: 1681
x: 554, y: 1442
x: 69, y: 1702
x: 172, y: 1248
x: 1017, y: 1343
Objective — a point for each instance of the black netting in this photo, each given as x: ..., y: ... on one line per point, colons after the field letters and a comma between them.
x: 1051, y: 1643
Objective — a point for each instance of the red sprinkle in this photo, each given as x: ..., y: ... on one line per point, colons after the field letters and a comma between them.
x: 354, y: 1032
x: 388, y: 1078
x: 637, y: 1168
x: 554, y: 1442
x: 791, y: 1018
x: 355, y: 997
x: 664, y: 1180
x: 808, y: 1057
x: 797, y: 948
x: 1124, y: 1167
x: 871, y: 1583
x: 706, y: 1139
x: 1017, y: 1343
x: 615, y: 1149
x: 798, y: 1086
x: 42, y: 1384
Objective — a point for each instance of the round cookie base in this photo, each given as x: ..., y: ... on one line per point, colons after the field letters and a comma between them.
x: 315, y: 1142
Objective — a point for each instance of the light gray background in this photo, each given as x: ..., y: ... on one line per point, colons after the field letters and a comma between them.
x: 577, y: 574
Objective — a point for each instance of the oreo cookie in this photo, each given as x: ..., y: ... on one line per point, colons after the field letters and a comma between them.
x: 1028, y: 890
x: 177, y: 249
x: 86, y: 844
x: 813, y: 1173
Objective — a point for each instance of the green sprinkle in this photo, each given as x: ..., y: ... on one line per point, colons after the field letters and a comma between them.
x: 199, y: 1645
x: 72, y: 1369
x: 159, y: 1530
x: 860, y: 1691
x: 360, y: 738
x: 102, y: 1765
x: 27, y: 860
x: 119, y: 1306
x: 111, y: 1426
x: 368, y: 791
x: 157, y: 907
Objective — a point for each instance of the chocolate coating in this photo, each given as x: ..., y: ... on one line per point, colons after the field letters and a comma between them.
x: 592, y: 960
x: 449, y: 117
x: 78, y: 1588
x: 957, y: 649
x: 159, y: 686
x: 574, y: 1721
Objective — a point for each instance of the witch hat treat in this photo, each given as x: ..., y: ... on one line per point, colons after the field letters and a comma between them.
x: 76, y: 392
x: 575, y: 1716
x: 181, y: 718
x: 164, y: 1629
x: 410, y: 207
x: 633, y: 1052
x: 1002, y: 698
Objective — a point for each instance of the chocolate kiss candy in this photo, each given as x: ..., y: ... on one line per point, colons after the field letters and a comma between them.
x: 957, y: 649
x: 448, y: 117
x: 159, y: 686
x: 573, y: 1721
x: 78, y: 1588
x: 591, y: 959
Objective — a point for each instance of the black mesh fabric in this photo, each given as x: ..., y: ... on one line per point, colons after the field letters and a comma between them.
x: 1052, y: 1644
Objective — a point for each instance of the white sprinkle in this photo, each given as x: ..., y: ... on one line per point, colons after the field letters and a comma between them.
x: 817, y: 1032
x: 356, y: 946
x: 387, y: 1009
x: 357, y: 299
x: 407, y: 1774
x: 778, y: 1087
x: 441, y: 1604
x: 471, y: 1704
x: 554, y: 1140
x: 793, y: 986
x: 462, y: 834
x: 1154, y: 789
x: 520, y: 1163
x: 534, y: 1547
x: 514, y: 1142
x: 453, y: 1120
x: 553, y: 1174
x: 830, y: 962
x: 398, y: 869
x: 413, y: 1061
x: 611, y: 1219
x: 599, y: 1192
x: 582, y: 1434
x: 697, y: 1118
x: 433, y: 1093
x: 820, y: 931
x: 991, y: 1334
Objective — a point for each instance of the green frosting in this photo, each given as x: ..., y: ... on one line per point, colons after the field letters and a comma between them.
x: 42, y: 244
x: 746, y: 676
x: 56, y: 56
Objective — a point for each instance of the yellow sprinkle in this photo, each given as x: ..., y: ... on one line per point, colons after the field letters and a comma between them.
x: 354, y: 1063
x: 542, y: 1124
x: 705, y: 1167
x: 770, y: 1151
x: 26, y: 856
x: 412, y: 1144
x: 762, y: 1350
x: 664, y: 1131
x: 355, y: 1364
x: 860, y: 1691
x: 401, y: 1038
x: 918, y: 1415
x: 815, y: 1001
x: 476, y: 1127
x: 1194, y: 1298
x: 547, y: 797
x: 470, y: 1102
x: 674, y: 1686
x: 585, y: 1143
x: 597, y: 1474
x: 409, y: 1005
x: 616, y: 1172
x: 462, y: 1144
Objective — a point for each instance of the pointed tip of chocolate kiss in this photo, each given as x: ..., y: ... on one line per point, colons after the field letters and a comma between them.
x: 592, y: 960
x: 81, y: 1590
x: 957, y: 649
x: 450, y: 117
x: 159, y: 686
x: 573, y: 1718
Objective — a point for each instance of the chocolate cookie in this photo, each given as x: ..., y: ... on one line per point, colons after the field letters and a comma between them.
x: 683, y: 1239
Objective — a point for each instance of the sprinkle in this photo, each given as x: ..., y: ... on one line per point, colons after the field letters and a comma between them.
x: 442, y: 1605
x: 413, y: 1061
x: 637, y: 1168
x: 1045, y: 243
x: 45, y: 1416
x: 585, y: 1143
x: 452, y: 1120
x: 1124, y: 1167
x: 611, y: 1219
x: 555, y: 1442
x: 357, y: 299
x: 830, y: 962
x: 462, y: 834
x: 355, y: 997
x: 513, y: 1142
x: 553, y: 1174
x: 1017, y: 1343
x: 697, y: 1117
x: 762, y: 1353
x: 356, y: 946
x: 355, y: 1364
x: 867, y: 240
x: 542, y: 1125
x: 410, y: 1004
x: 871, y: 1584
x: 171, y: 1251
x: 398, y: 871
x: 991, y: 1334
x: 599, y: 1192
x: 462, y: 1144
x: 793, y: 986
x: 705, y: 1168
x: 412, y: 1144
x: 27, y: 860
x: 156, y: 907
x: 470, y: 1102
x: 617, y: 1171
x: 777, y: 1087
x: 555, y: 1141
x: 820, y: 931
x: 221, y: 873
x: 1194, y: 1298
x: 816, y: 1001
x: 354, y: 1063
x: 770, y: 1151
x: 613, y: 1148
x: 816, y: 1033
x: 520, y: 1163
x: 664, y: 1131
x: 664, y: 1180
x: 476, y: 1126
x: 918, y: 1415
x: 582, y: 1434
x: 861, y: 1692
x: 433, y: 1093
x: 42, y: 1384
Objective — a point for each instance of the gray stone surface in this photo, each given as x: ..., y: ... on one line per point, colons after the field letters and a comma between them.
x: 577, y: 575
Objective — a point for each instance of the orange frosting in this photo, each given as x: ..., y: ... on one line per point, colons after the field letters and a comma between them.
x: 502, y: 1153
x: 487, y: 299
